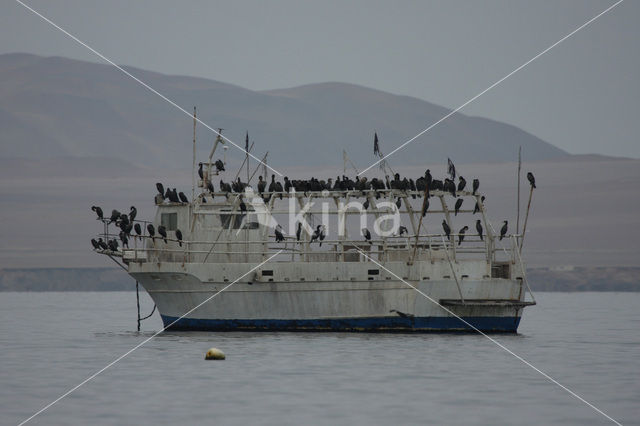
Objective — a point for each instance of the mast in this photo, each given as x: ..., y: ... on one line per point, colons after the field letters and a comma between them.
x: 518, y: 208
x: 193, y: 168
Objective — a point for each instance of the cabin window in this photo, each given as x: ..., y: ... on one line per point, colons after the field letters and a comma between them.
x: 235, y: 219
x: 169, y: 221
x: 267, y: 273
x: 374, y: 271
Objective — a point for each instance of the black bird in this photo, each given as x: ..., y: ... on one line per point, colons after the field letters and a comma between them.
x: 200, y: 173
x: 138, y: 229
x: 461, y: 234
x: 224, y: 187
x: 366, y: 234
x: 112, y: 245
x: 287, y: 184
x: 183, y: 198
x: 160, y: 188
x: 102, y: 244
x: 503, y: 231
x: 168, y: 194
x: 299, y: 231
x: 366, y: 204
x: 261, y: 185
x: 476, y: 209
x: 151, y: 231
x: 398, y: 202
x: 402, y: 230
x: 219, y: 165
x: 163, y: 233
x: 272, y: 185
x: 95, y: 244
x: 211, y: 190
x: 243, y: 206
x: 316, y: 233
x: 279, y: 234
x: 476, y: 185
x: 461, y: 183
x: 98, y: 211
x: 532, y: 179
x: 447, y: 230
x: 479, y: 229
x: 133, y: 212
x: 115, y: 215
x: 436, y: 184
x: 175, y: 198
x: 425, y: 207
x: 428, y: 180
x: 127, y: 229
x: 458, y: 205
x: 279, y: 189
x: 179, y: 237
x: 124, y: 239
x: 450, y: 187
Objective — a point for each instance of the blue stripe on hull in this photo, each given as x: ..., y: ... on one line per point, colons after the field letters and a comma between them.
x: 371, y: 324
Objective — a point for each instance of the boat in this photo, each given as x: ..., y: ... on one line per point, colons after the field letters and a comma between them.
x: 223, y: 264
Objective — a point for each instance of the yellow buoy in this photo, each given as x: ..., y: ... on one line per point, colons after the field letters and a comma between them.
x: 214, y: 353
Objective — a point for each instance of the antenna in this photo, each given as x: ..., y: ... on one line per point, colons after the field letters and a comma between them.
x: 193, y: 168
x: 518, y: 209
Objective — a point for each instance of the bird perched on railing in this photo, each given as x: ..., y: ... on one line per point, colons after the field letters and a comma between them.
x: 447, y: 229
x: 461, y: 234
x: 461, y: 183
x: 95, y: 244
x: 115, y: 215
x: 225, y: 187
x: 163, y: 233
x: 102, y: 244
x: 160, y: 189
x: 476, y: 209
x: 457, y: 206
x: 124, y: 239
x: 450, y: 187
x: 179, y: 237
x: 112, y: 245
x: 366, y: 234
x: 152, y: 232
x: 133, y: 212
x: 503, y: 231
x: 98, y: 212
x: 532, y: 179
x: 279, y: 234
x: 299, y: 231
x: 479, y: 229
x: 476, y: 185
x: 262, y: 185
x: 183, y: 198
x: 238, y: 185
x: 219, y: 165
x: 200, y: 173
x: 138, y: 229
x: 402, y: 230
x: 316, y: 234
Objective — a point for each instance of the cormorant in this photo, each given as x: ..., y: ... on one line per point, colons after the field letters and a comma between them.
x: 98, y: 211
x: 261, y: 185
x: 151, y: 231
x: 95, y: 244
x: 138, y: 229
x: 366, y: 204
x: 279, y: 189
x: 428, y: 180
x: 298, y: 231
x: 124, y: 239
x: 115, y: 215
x: 272, y: 185
x: 476, y: 209
x: 163, y: 233
x: 167, y: 194
x: 225, y: 187
x: 366, y: 234
x: 287, y: 184
x: 183, y: 198
x: 447, y: 230
x: 128, y: 229
x: 316, y: 233
x: 102, y: 244
x: 160, y: 188
x: 211, y: 189
x: 219, y: 165
x: 476, y: 185
x: 279, y: 235
x: 179, y: 237
x: 402, y: 230
x: 174, y: 194
x: 458, y: 205
x: 200, y: 173
x: 532, y: 179
x: 479, y: 229
x: 461, y: 234
x: 113, y: 245
x: 398, y: 202
x: 450, y: 187
x: 322, y: 235
x: 503, y: 231
x: 243, y: 206
x: 461, y: 183
x: 133, y: 212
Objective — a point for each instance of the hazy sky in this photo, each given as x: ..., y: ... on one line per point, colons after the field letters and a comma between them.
x: 582, y: 96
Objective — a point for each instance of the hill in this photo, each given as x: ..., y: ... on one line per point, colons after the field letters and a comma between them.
x: 58, y: 107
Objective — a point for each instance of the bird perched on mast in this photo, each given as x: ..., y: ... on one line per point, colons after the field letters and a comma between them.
x: 461, y: 234
x: 503, y: 231
x: 458, y: 205
x: 479, y: 229
x: 98, y: 211
x: 532, y: 179
x: 447, y: 229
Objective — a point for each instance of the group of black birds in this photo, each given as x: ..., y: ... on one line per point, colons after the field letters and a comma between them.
x: 127, y: 224
x: 170, y: 194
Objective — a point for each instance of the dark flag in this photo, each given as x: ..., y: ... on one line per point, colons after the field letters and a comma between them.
x: 451, y: 168
x: 246, y: 143
x: 376, y: 147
